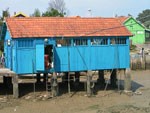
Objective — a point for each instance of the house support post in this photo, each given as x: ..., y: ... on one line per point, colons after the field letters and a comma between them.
x: 101, y: 78
x: 54, y: 85
x: 77, y: 79
x: 143, y: 62
x: 119, y: 73
x: 15, y: 86
x: 89, y: 78
x: 44, y: 77
x: 38, y: 78
x: 127, y: 80
x: 113, y: 78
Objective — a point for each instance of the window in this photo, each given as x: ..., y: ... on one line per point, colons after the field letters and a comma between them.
x: 140, y: 32
x: 99, y: 41
x: 63, y: 42
x: 80, y: 42
x: 25, y: 43
x: 147, y: 34
x: 118, y: 41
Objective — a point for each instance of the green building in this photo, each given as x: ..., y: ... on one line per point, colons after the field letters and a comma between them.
x: 136, y: 28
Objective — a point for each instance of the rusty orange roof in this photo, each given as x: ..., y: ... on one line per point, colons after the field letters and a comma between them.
x: 122, y: 19
x: 64, y: 27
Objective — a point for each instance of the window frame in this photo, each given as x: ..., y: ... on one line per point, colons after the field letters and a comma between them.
x: 118, y: 41
x: 102, y: 41
x: 23, y: 43
x: 80, y: 42
x: 63, y: 42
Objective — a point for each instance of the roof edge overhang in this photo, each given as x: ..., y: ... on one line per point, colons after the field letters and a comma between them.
x: 74, y: 36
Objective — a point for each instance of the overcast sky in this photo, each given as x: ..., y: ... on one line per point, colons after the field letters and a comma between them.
x: 104, y: 8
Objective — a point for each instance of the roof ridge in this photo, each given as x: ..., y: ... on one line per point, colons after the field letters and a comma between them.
x: 62, y: 18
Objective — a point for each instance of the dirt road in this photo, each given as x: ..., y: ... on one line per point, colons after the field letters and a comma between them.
x: 110, y: 101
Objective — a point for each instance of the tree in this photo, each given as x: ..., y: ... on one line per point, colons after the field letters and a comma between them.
x: 56, y: 8
x: 52, y: 13
x: 5, y: 13
x: 36, y: 13
x: 144, y: 18
x: 58, y: 5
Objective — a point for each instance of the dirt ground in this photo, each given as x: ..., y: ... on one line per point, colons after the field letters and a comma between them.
x: 109, y: 101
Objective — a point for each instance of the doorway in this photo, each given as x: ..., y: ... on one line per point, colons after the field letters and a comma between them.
x: 48, y: 56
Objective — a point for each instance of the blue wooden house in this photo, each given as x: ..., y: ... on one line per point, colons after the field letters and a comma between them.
x: 65, y: 44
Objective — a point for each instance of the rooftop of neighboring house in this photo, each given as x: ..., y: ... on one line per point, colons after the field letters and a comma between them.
x: 124, y: 19
x: 19, y: 14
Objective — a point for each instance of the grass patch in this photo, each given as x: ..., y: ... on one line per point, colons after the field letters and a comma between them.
x: 93, y: 107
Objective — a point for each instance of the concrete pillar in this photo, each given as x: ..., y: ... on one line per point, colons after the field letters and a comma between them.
x: 127, y: 80
x: 15, y: 86
x: 89, y: 78
x: 101, y: 78
x: 54, y: 85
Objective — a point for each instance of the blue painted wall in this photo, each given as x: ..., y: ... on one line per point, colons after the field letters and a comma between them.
x: 26, y: 55
x: 8, y: 50
x: 80, y: 58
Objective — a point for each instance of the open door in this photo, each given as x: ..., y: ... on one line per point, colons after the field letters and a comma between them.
x: 40, y: 57
x: 48, y: 56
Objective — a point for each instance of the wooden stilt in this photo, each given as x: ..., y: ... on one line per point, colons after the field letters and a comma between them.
x: 114, y: 78
x: 118, y: 76
x: 54, y: 85
x: 89, y: 78
x: 38, y: 78
x: 127, y: 80
x: 101, y: 78
x: 77, y: 77
x: 44, y: 77
x: 69, y: 83
x: 15, y: 86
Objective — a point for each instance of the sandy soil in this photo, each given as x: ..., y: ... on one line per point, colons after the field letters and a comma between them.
x: 109, y: 101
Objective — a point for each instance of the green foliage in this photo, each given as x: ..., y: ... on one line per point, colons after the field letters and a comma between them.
x: 59, y: 5
x: 1, y: 45
x: 56, y: 9
x: 5, y: 13
x: 52, y: 13
x: 1, y: 22
x: 144, y: 18
x: 36, y: 13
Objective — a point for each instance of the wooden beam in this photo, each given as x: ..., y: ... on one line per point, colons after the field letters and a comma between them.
x: 89, y: 78
x: 127, y: 80
x: 15, y: 86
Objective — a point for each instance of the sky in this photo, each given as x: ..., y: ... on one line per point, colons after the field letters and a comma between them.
x: 99, y: 8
